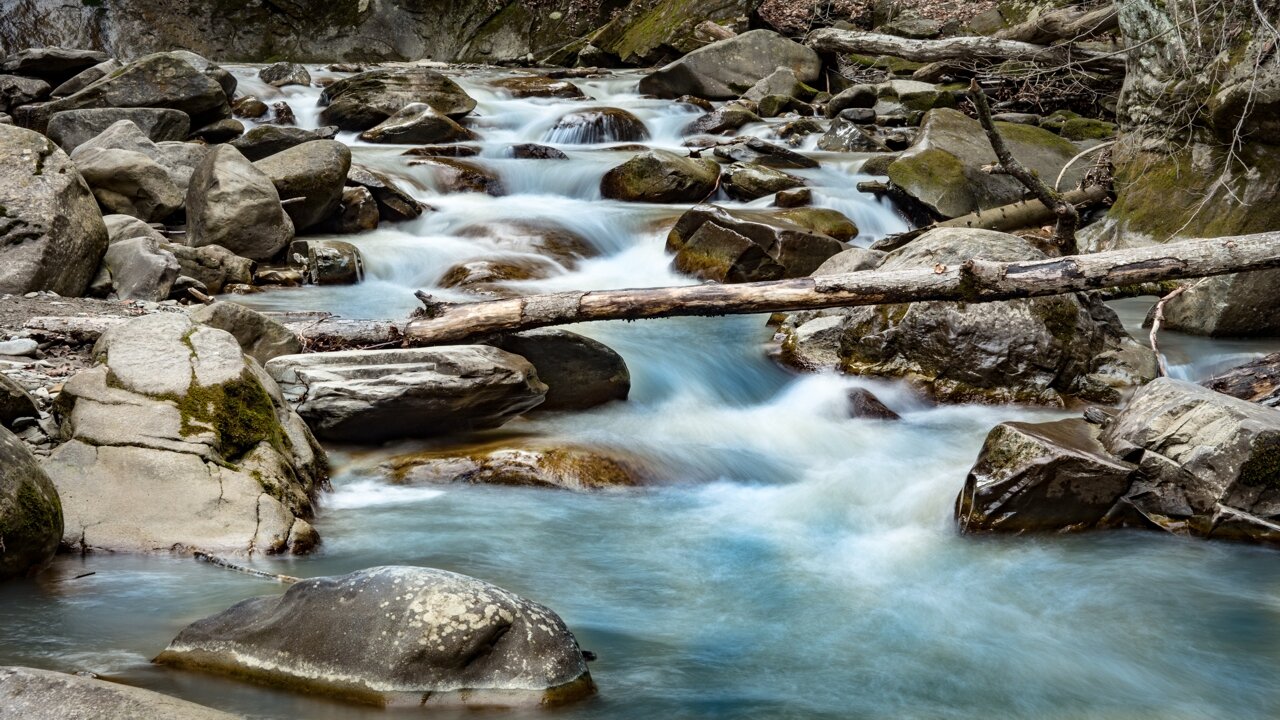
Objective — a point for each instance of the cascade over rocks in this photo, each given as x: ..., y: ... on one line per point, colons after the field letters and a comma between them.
x: 369, y: 98
x: 316, y: 172
x: 659, y: 176
x: 51, y: 231
x: 232, y: 203
x: 394, y: 636
x: 1178, y: 457
x: 1039, y: 350
x: 177, y: 438
x: 724, y: 70
x: 30, y: 512
x: 597, y: 125
x: 371, y: 396
x: 45, y: 695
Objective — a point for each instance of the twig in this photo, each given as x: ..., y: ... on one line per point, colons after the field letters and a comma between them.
x: 1058, y: 183
x: 224, y: 563
x: 1064, y: 234
x: 1156, y: 320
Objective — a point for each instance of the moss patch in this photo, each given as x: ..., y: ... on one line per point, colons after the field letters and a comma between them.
x: 1263, y: 466
x: 240, y: 412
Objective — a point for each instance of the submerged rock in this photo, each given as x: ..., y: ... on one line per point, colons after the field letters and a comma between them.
x: 539, y: 237
x: 393, y: 636
x: 1039, y: 350
x: 51, y: 231
x: 30, y: 512
x: 371, y: 396
x: 566, y: 468
x: 659, y: 176
x: 453, y: 175
x: 364, y: 100
x: 728, y: 68
x: 597, y: 125
x: 34, y: 694
x: 177, y: 438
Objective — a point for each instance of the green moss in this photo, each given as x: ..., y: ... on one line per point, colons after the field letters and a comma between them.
x: 34, y: 514
x: 239, y: 411
x: 1263, y: 466
x: 1060, y: 316
x: 1087, y: 129
x: 931, y: 168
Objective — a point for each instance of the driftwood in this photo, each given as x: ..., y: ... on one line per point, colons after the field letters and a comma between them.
x: 1064, y: 233
x: 1069, y: 23
x: 225, y: 563
x: 972, y: 281
x: 1157, y: 319
x: 960, y: 48
x: 1006, y: 218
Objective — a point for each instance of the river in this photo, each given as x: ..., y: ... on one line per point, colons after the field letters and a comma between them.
x: 787, y: 562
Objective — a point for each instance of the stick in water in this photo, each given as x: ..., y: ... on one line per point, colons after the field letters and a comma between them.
x: 224, y: 563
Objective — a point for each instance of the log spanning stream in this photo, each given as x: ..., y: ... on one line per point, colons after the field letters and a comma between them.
x: 787, y: 562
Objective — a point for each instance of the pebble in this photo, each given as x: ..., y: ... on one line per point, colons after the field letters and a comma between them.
x: 20, y: 347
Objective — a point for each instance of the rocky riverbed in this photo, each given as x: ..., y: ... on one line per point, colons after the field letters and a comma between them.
x: 207, y: 395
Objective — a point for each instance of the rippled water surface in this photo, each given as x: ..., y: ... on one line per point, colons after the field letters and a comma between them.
x: 788, y: 562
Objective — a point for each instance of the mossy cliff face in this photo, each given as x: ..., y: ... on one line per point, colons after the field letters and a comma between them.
x: 656, y: 31
x: 178, y: 438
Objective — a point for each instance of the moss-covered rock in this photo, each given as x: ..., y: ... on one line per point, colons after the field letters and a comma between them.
x: 728, y: 68
x: 660, y: 176
x: 30, y: 512
x: 654, y: 31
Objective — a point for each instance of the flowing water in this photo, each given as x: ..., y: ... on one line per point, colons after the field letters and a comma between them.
x: 788, y: 562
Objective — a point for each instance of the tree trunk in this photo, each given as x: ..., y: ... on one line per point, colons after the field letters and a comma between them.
x: 960, y: 48
x: 973, y: 281
x: 1069, y: 23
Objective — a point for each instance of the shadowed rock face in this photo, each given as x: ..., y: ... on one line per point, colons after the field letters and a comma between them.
x: 393, y: 636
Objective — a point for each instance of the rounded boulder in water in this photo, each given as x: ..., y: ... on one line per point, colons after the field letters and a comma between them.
x: 393, y: 636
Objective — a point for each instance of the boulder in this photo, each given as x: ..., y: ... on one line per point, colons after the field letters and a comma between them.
x: 1238, y: 305
x: 797, y: 198
x: 282, y: 74
x: 249, y: 107
x: 359, y: 213
x: 327, y: 262
x: 72, y: 128
x: 749, y: 181
x: 213, y: 266
x: 87, y: 77
x: 45, y: 695
x: 395, y: 636
x: 863, y: 404
x: 51, y: 231
x: 537, y: 465
x: 126, y: 182
x: 219, y: 131
x: 459, y: 176
x: 267, y: 140
x: 728, y: 68
x: 943, y: 169
x: 141, y: 269
x: 30, y: 513
x: 850, y: 135
x: 260, y: 337
x: 823, y: 221
x: 127, y: 227
x: 161, y: 80
x: 181, y: 160
x: 15, y: 403
x: 527, y: 86
x: 16, y: 91
x: 488, y: 276
x: 1051, y: 476
x: 1257, y: 381
x: 722, y: 121
x: 786, y: 249
x: 533, y: 151
x: 177, y: 437
x: 394, y: 204
x: 855, y: 259
x: 660, y: 176
x: 364, y: 100
x: 417, y: 123
x: 781, y: 82
x: 51, y: 64
x: 372, y: 396
x: 313, y: 174
x: 579, y: 372
x: 1041, y: 350
x: 597, y: 125
x: 755, y: 150
x: 857, y: 96
x: 234, y: 204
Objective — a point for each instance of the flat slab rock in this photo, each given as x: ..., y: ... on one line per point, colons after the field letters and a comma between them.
x: 32, y: 694
x: 393, y: 636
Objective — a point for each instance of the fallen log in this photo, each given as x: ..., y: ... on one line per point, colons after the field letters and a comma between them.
x: 989, y: 49
x: 972, y: 281
x: 1006, y: 218
x: 1069, y: 23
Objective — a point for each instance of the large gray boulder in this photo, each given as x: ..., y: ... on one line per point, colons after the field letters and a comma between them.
x: 746, y: 245
x: 1179, y: 457
x: 728, y: 68
x: 71, y: 128
x: 364, y: 100
x: 86, y: 77
x: 1040, y: 350
x: 282, y: 74
x: 371, y: 396
x: 393, y: 636
x: 313, y: 174
x: 660, y: 176
x: 51, y: 231
x: 162, y: 80
x: 213, y: 265
x: 267, y: 140
x: 30, y: 513
x: 16, y: 91
x: 1239, y: 305
x: 579, y: 372
x: 232, y: 203
x: 141, y: 269
x: 943, y: 168
x: 33, y: 694
x: 417, y: 123
x: 260, y: 337
x: 177, y: 438
x: 128, y: 183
